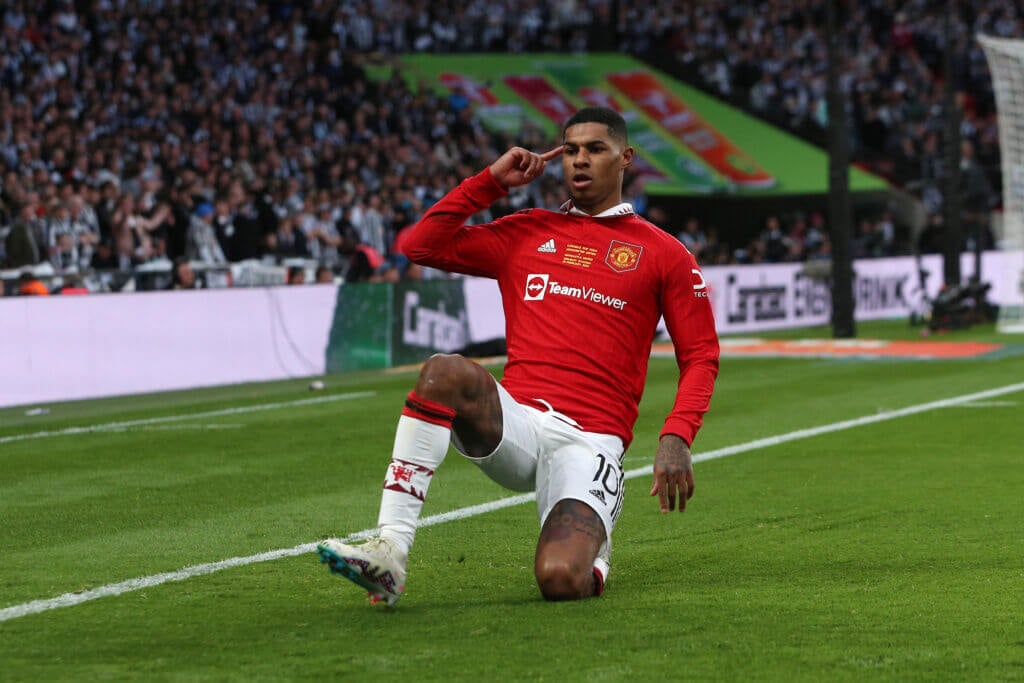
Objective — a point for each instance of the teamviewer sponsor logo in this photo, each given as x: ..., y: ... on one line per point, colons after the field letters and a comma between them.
x: 536, y: 286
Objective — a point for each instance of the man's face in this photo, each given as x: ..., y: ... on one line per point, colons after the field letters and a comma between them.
x: 593, y: 162
x: 186, y: 275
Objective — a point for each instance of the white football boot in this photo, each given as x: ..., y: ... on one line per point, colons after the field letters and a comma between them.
x: 377, y: 565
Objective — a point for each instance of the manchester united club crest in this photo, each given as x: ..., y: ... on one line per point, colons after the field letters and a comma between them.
x: 622, y: 256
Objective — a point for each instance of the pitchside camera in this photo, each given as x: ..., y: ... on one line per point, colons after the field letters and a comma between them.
x: 960, y: 306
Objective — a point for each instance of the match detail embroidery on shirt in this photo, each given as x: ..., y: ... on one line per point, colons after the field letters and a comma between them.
x: 579, y: 255
x: 548, y: 247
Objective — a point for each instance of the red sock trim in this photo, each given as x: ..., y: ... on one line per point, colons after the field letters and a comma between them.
x: 429, y: 411
x: 598, y: 582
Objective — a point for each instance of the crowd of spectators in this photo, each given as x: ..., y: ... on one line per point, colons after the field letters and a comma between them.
x: 791, y: 238
x: 182, y: 130
x: 253, y: 134
x: 771, y: 58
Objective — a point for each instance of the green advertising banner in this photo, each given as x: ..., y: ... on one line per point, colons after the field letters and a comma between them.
x: 687, y: 142
x: 382, y: 325
x: 430, y: 317
x: 360, y: 333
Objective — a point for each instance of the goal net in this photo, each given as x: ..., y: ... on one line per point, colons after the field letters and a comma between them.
x: 1006, y: 63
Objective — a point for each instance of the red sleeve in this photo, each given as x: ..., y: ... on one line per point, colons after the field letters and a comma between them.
x: 441, y: 239
x: 691, y: 324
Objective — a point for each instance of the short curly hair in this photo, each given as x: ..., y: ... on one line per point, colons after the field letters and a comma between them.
x: 609, y: 117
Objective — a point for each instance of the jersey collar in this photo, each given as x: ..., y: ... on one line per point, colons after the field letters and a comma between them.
x: 623, y: 209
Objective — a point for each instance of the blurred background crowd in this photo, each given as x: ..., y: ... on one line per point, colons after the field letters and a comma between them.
x: 202, y: 134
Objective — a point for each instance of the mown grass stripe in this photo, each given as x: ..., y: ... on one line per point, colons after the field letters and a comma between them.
x: 110, y: 590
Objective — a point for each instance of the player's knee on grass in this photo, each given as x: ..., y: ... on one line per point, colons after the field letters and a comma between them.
x: 569, y: 541
x: 561, y: 579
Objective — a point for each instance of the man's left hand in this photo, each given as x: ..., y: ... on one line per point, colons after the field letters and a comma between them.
x: 673, y: 473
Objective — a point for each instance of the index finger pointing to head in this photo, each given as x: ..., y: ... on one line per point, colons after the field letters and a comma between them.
x: 551, y: 154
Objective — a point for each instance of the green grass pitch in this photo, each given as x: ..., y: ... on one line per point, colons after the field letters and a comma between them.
x: 890, y: 550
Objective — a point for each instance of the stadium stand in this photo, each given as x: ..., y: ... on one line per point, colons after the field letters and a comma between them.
x: 133, y: 135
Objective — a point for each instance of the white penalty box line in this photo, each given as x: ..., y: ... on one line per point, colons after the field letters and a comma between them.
x: 113, y: 589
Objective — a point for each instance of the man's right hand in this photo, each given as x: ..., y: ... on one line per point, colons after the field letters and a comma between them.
x: 520, y: 166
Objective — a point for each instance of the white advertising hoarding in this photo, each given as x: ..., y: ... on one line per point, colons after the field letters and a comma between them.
x: 65, y: 348
x: 60, y: 348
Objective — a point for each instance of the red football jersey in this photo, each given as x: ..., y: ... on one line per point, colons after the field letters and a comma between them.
x: 582, y: 298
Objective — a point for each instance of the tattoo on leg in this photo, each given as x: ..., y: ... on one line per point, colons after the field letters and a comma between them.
x: 569, y: 517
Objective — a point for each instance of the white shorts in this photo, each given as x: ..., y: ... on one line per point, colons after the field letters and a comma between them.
x: 545, y: 451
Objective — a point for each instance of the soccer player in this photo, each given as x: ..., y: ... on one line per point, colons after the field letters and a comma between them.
x: 583, y: 290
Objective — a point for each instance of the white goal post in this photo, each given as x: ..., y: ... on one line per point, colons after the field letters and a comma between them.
x: 1006, y: 64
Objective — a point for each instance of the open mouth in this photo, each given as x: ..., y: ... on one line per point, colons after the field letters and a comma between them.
x: 581, y: 181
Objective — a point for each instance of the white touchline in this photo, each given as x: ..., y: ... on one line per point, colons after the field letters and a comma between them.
x: 69, y: 599
x: 990, y: 404
x: 241, y: 410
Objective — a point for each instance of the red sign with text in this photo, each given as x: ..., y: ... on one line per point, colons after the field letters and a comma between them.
x: 675, y: 116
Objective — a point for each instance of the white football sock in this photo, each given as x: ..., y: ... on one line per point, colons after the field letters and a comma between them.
x: 420, y: 447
